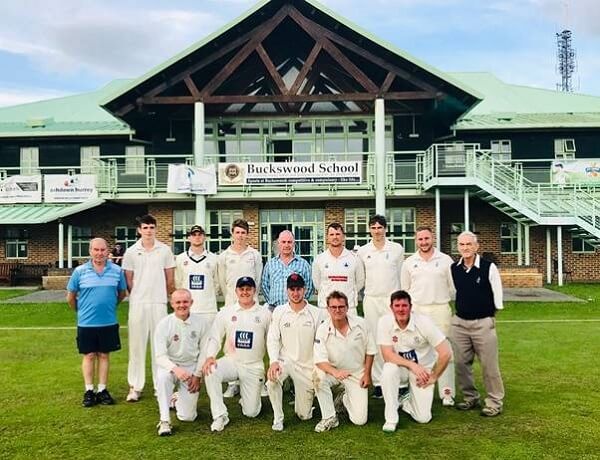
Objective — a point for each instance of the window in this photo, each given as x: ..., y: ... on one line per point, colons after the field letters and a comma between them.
x: 501, y: 149
x: 218, y: 229
x: 455, y: 230
x: 126, y: 236
x: 134, y: 159
x: 16, y: 243
x: 30, y: 160
x: 509, y: 237
x: 401, y: 227
x: 582, y: 246
x: 80, y: 243
x: 86, y: 162
x: 564, y: 149
x: 182, y: 221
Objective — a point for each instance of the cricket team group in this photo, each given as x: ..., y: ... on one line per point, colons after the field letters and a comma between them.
x: 408, y: 341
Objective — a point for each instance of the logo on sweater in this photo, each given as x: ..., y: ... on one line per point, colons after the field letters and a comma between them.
x: 233, y: 319
x: 175, y: 338
x: 286, y: 324
x: 395, y: 339
x: 244, y: 339
x: 478, y: 280
x: 346, y: 264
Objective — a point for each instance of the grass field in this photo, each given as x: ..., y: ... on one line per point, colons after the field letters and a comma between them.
x: 549, y: 360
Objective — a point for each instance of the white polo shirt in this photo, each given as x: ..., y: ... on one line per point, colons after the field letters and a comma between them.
x: 344, y: 273
x: 199, y: 275
x: 232, y: 266
x: 416, y: 343
x: 181, y: 343
x: 148, y: 267
x: 292, y: 334
x: 429, y: 282
x: 347, y: 352
x: 382, y: 267
x: 244, y: 331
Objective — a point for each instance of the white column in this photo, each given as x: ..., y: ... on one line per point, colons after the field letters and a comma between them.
x: 548, y: 256
x: 61, y: 245
x: 199, y: 158
x: 559, y: 255
x: 380, y: 156
x: 466, y: 205
x: 527, y: 246
x: 438, y: 220
x: 519, y: 244
x: 69, y: 246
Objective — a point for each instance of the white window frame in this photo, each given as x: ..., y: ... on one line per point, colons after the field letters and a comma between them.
x: 356, y: 224
x: 501, y: 149
x: 513, y: 237
x: 80, y: 242
x: 85, y: 158
x: 125, y: 236
x: 134, y: 159
x: 15, y: 238
x: 30, y: 160
x: 564, y: 149
x: 580, y: 246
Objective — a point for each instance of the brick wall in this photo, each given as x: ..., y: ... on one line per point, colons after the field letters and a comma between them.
x: 250, y: 212
x: 334, y: 212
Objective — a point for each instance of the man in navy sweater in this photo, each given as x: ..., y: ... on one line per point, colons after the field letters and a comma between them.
x: 478, y: 296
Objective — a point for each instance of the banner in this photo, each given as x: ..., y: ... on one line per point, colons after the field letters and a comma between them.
x: 192, y: 179
x: 62, y: 188
x: 576, y: 171
x: 293, y: 172
x: 21, y: 189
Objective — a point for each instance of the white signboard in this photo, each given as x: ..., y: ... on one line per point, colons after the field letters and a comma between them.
x: 62, y: 188
x: 21, y: 189
x: 192, y: 179
x: 576, y: 171
x: 293, y: 172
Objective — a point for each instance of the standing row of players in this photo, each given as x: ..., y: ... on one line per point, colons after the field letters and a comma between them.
x: 338, y: 275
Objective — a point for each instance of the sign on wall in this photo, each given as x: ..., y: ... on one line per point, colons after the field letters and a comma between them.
x: 576, y: 171
x: 192, y: 179
x: 293, y: 172
x: 21, y: 189
x: 63, y: 188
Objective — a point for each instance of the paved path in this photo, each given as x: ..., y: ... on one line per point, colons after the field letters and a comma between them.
x: 510, y: 295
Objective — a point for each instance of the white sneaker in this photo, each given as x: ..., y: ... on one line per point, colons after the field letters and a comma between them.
x: 173, y: 400
x: 327, y: 424
x: 219, y: 423
x: 263, y: 391
x: 389, y: 427
x: 133, y: 395
x: 447, y: 401
x: 277, y: 426
x: 232, y: 390
x: 164, y: 428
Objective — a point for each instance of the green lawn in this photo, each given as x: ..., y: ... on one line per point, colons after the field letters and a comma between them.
x: 551, y: 371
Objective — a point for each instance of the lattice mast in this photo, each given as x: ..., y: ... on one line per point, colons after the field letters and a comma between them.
x: 566, y: 60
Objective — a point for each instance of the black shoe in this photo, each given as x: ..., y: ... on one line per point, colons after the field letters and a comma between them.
x: 103, y: 397
x: 403, y: 395
x: 377, y: 393
x: 89, y: 398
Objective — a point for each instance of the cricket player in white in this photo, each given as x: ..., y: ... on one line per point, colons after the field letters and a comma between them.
x: 196, y: 270
x: 244, y: 327
x: 149, y: 270
x: 180, y: 340
x: 409, y: 343
x: 343, y: 355
x: 338, y: 269
x: 290, y: 345
x: 382, y: 260
x: 426, y: 276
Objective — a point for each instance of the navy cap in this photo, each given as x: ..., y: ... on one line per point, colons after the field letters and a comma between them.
x: 295, y: 281
x: 196, y: 228
x: 245, y: 281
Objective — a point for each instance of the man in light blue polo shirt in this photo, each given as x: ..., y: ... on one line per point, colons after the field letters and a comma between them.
x: 94, y: 291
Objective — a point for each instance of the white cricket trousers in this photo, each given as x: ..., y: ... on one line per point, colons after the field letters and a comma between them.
x: 355, y: 399
x: 441, y: 315
x: 186, y: 402
x: 143, y: 319
x: 251, y: 378
x: 373, y: 309
x: 303, y: 390
x: 418, y: 405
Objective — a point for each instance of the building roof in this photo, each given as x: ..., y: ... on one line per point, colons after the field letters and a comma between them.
x: 76, y: 115
x: 507, y: 106
x: 22, y: 214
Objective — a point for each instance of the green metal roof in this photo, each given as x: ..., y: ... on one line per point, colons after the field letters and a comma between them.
x: 75, y: 115
x: 507, y: 106
x: 196, y: 46
x: 13, y: 214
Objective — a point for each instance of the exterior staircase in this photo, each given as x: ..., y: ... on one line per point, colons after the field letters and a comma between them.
x: 504, y: 186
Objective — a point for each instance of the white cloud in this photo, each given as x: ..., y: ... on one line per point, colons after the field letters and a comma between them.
x: 12, y: 96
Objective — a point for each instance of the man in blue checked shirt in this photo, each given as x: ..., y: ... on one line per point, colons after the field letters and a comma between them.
x: 278, y: 269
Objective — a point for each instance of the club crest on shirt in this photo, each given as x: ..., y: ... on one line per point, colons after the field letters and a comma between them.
x: 233, y: 319
x: 395, y: 339
x: 346, y: 264
x: 185, y: 262
x: 175, y: 338
x: 257, y: 319
x: 326, y: 266
x: 193, y: 334
x: 286, y: 324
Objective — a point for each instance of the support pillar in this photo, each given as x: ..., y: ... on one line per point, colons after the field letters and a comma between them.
x: 548, y: 256
x: 466, y: 206
x: 380, y: 156
x: 519, y: 244
x: 200, y: 216
x: 438, y: 220
x: 69, y: 246
x: 61, y: 245
x: 559, y: 255
x: 527, y: 246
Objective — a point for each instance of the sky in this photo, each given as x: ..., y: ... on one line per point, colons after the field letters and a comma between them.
x: 54, y: 48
